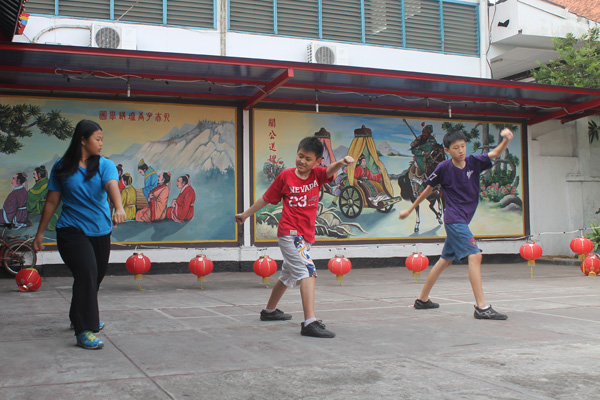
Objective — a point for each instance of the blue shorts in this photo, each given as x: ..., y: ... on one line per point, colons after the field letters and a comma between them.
x: 459, y: 243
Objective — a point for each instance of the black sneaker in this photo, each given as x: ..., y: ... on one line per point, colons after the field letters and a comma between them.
x: 316, y: 329
x: 488, y: 313
x: 276, y: 315
x: 424, y: 305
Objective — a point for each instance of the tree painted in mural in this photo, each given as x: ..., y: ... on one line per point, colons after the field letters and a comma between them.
x: 17, y: 121
x: 500, y: 183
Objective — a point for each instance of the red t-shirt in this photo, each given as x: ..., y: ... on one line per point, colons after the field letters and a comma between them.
x: 300, y: 201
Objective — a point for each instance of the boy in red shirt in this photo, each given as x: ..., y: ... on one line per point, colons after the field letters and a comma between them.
x: 298, y: 188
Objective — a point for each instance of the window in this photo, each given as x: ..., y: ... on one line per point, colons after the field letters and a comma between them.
x: 460, y: 29
x: 298, y: 18
x: 251, y: 16
x: 341, y: 20
x: 438, y: 25
x: 94, y: 9
x: 383, y: 22
x: 193, y: 13
x: 144, y: 11
x: 422, y: 24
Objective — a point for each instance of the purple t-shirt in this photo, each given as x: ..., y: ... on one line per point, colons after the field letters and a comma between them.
x: 460, y: 186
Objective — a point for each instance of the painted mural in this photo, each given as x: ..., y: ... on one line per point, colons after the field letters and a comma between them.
x: 176, y: 165
x: 394, y: 156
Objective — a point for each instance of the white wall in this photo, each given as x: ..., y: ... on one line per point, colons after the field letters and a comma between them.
x: 77, y: 32
x: 564, y: 186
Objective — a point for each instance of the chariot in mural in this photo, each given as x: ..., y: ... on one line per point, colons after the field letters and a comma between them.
x: 366, y: 183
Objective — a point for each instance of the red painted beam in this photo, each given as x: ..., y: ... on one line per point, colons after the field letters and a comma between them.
x: 270, y: 88
x: 401, y: 109
x: 566, y: 111
x: 584, y: 114
x: 335, y: 69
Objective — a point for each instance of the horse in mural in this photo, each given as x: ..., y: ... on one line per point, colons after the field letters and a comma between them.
x: 436, y: 202
x: 411, y: 181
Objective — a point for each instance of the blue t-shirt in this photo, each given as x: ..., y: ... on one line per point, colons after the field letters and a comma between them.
x: 460, y: 186
x: 85, y: 203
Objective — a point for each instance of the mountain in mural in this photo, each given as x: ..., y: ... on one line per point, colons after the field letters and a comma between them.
x: 384, y: 148
x: 205, y: 146
x: 340, y: 152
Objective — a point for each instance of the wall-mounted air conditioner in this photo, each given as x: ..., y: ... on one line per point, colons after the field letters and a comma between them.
x: 326, y: 54
x: 113, y: 37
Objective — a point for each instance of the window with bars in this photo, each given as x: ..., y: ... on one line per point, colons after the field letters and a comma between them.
x: 436, y: 25
x: 193, y: 13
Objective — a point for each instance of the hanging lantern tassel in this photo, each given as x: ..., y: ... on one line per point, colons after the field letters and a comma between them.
x: 201, y: 266
x: 340, y: 266
x: 265, y: 266
x: 138, y: 264
x: 582, y: 246
x: 531, y: 252
x: 416, y: 263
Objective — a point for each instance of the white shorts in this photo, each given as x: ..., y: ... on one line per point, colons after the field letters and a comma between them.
x: 297, y: 263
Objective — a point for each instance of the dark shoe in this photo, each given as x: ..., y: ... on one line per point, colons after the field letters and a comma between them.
x: 276, y: 315
x: 316, y: 329
x: 488, y: 313
x: 424, y: 305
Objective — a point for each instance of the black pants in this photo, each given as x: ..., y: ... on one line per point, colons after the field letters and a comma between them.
x: 87, y: 258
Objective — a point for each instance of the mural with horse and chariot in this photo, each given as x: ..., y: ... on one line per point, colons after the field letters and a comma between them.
x: 394, y: 157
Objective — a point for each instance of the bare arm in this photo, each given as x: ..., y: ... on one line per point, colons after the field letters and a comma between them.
x: 52, y: 201
x: 258, y: 204
x: 333, y: 168
x: 497, y: 152
x: 112, y: 188
x: 418, y: 201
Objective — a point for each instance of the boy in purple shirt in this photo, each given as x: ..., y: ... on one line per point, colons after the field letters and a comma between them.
x: 459, y: 178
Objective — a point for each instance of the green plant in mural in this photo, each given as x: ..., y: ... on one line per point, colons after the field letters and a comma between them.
x: 17, y: 121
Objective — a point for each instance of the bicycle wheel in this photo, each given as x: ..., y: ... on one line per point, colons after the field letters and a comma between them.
x: 17, y: 255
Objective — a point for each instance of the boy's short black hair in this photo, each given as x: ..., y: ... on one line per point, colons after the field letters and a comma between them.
x: 452, y: 137
x: 312, y: 143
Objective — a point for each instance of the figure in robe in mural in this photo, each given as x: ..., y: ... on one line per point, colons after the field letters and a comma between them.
x: 338, y: 184
x: 150, y: 178
x: 14, y: 210
x: 182, y: 208
x: 158, y: 199
x: 36, y: 197
x: 362, y: 171
x: 128, y: 197
x: 121, y: 180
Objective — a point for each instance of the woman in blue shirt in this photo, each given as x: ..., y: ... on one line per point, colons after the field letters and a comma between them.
x: 81, y: 179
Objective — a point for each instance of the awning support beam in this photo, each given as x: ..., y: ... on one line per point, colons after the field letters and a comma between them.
x: 270, y: 88
x: 566, y: 111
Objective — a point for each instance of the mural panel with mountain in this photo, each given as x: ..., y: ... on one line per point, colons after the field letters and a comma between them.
x: 176, y: 163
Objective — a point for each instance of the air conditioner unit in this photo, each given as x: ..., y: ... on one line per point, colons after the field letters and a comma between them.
x: 113, y: 37
x: 326, y: 54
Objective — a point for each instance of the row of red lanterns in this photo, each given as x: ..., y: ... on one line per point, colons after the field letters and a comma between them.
x: 138, y: 264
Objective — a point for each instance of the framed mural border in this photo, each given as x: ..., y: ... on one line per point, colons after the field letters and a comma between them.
x: 524, y: 166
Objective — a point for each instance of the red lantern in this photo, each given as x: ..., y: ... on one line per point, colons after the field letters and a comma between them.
x: 416, y: 263
x: 582, y: 245
x: 591, y: 265
x: 265, y: 266
x: 201, y: 266
x: 138, y: 264
x: 531, y: 251
x: 339, y: 265
x: 28, y: 280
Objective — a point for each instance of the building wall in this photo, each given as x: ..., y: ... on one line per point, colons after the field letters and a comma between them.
x: 564, y: 185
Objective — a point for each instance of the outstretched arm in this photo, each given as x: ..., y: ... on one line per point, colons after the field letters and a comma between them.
x: 418, y: 201
x: 333, y: 168
x: 497, y: 152
x: 260, y: 203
